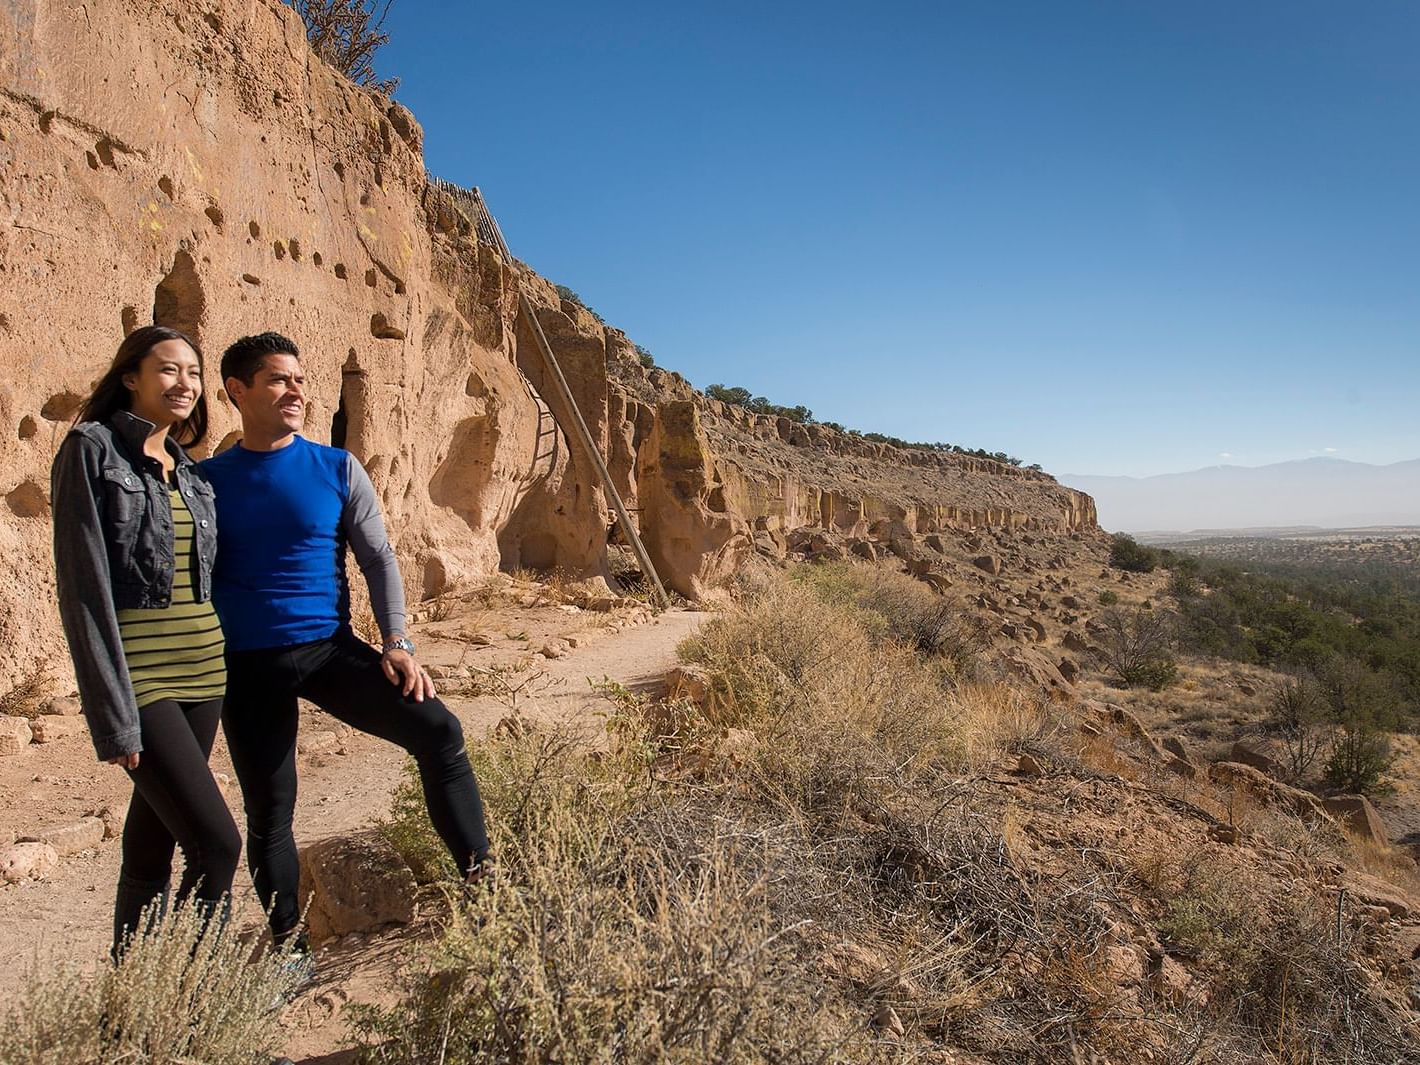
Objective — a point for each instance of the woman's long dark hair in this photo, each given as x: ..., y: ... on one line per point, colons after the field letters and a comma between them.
x: 110, y: 395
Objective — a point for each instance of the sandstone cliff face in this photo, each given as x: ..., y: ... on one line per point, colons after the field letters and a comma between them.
x: 194, y: 164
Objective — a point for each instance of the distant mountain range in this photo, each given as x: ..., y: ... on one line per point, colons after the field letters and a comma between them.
x: 1326, y: 492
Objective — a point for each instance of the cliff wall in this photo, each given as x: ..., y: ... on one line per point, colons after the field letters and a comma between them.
x: 196, y: 165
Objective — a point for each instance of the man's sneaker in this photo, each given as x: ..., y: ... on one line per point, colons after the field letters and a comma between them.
x: 299, y: 967
x: 483, y: 879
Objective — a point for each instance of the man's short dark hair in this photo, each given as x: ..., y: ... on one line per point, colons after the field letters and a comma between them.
x: 243, y: 359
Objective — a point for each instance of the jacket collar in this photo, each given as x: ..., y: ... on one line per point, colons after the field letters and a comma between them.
x: 134, y: 432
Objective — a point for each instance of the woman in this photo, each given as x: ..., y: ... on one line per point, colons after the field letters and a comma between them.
x: 134, y: 539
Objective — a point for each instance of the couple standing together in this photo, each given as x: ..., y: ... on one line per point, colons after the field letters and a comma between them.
x: 148, y: 542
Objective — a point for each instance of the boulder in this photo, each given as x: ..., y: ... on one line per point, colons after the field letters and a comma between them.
x: 1359, y: 817
x: 1069, y: 670
x: 31, y: 860
x: 988, y: 564
x: 355, y: 883
x: 84, y: 834
x: 1266, y: 790
x: 1131, y: 726
x: 1252, y: 754
x: 14, y: 734
x: 50, y: 729
x: 63, y: 706
x: 1073, y: 641
x: 1178, y: 748
x: 692, y: 684
x: 864, y: 549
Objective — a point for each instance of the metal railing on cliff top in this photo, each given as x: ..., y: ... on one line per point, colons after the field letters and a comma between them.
x: 471, y: 205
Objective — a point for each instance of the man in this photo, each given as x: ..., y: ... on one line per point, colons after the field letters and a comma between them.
x: 286, y: 511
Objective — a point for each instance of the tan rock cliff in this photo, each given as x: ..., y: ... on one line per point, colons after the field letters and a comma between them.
x: 196, y: 164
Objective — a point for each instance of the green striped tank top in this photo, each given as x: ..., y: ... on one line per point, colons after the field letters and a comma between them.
x: 175, y: 652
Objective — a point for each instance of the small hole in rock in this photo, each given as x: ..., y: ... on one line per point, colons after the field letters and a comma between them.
x: 340, y: 271
x: 166, y: 184
x: 279, y: 249
x: 215, y: 216
x: 370, y: 277
x: 254, y: 230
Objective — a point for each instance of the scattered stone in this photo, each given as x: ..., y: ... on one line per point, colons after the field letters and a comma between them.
x: 1178, y: 748
x: 987, y: 563
x: 553, y: 650
x: 480, y: 639
x: 14, y: 735
x: 82, y: 835
x: 355, y: 883
x: 50, y: 729
x: 320, y: 741
x: 27, y: 861
x: 1224, y: 833
x: 1069, y: 670
x: 62, y: 706
x: 886, y: 1020
x: 692, y: 684
x: 1249, y: 754
x: 1035, y: 626
x: 864, y: 549
x: 1368, y: 890
x: 1073, y: 641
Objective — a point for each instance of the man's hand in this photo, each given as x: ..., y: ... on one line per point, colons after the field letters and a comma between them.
x: 128, y: 761
x: 407, y: 675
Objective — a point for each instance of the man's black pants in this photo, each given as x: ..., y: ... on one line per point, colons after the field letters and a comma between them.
x: 343, y: 676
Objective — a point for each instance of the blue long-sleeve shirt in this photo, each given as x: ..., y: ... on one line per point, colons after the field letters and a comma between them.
x: 284, y: 520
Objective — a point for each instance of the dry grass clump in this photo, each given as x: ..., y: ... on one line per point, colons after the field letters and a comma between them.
x: 187, y: 990
x: 26, y: 695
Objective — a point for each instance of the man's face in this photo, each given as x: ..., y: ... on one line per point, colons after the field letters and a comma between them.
x: 275, y: 402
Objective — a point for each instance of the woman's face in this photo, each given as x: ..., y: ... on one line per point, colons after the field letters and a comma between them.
x: 166, y: 384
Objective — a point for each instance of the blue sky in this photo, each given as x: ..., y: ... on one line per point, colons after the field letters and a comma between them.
x: 1112, y: 238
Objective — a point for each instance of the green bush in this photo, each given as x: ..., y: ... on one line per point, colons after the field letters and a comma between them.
x: 1126, y: 553
x: 645, y: 357
x: 1108, y: 598
x: 1156, y: 674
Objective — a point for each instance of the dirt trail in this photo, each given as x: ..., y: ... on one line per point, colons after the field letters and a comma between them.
x: 68, y: 914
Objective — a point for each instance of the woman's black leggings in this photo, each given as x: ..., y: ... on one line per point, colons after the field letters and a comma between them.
x: 176, y: 803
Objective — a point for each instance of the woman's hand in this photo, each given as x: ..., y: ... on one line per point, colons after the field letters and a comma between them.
x: 128, y: 761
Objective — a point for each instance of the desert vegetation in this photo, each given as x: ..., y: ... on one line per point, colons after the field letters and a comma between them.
x: 743, y: 397
x: 347, y: 34
x: 821, y: 848
x: 187, y: 989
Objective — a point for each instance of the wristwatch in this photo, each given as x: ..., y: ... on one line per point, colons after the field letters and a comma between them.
x: 400, y: 643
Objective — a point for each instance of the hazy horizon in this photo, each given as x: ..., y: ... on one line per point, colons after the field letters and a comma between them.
x: 1331, y: 493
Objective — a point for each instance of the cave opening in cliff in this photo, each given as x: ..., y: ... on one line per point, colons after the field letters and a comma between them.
x: 348, y: 423
x: 339, y: 421
x: 178, y: 301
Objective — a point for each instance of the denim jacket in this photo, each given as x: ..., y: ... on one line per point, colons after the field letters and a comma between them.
x: 113, y: 549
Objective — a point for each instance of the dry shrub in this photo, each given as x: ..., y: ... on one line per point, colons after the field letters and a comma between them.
x: 1281, y: 972
x: 636, y: 932
x: 26, y: 695
x: 187, y: 990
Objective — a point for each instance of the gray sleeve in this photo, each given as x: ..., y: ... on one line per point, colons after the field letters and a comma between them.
x: 86, y: 602
x: 364, y: 528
